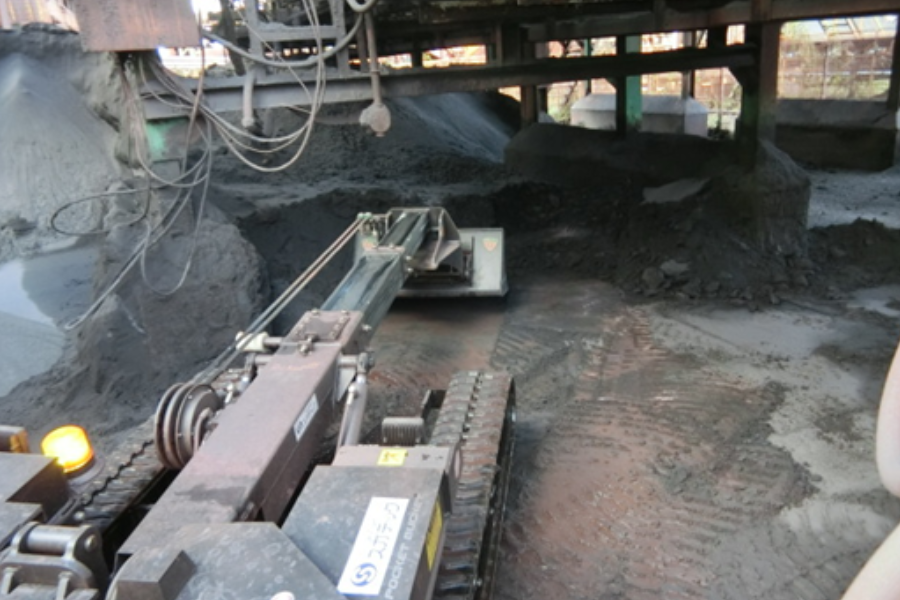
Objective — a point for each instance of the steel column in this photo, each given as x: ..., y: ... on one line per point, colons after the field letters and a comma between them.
x: 689, y: 39
x: 629, y: 102
x: 893, y: 99
x: 759, y: 90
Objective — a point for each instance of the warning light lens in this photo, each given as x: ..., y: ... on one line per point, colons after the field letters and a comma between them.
x: 70, y: 446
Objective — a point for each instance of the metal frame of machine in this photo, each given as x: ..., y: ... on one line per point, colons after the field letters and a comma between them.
x: 417, y: 515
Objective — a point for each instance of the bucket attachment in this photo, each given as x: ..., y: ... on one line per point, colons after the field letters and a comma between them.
x: 450, y: 262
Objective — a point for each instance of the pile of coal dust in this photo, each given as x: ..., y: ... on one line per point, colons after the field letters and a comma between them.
x: 657, y: 227
x: 60, y: 140
x: 668, y: 230
x: 579, y: 218
x: 434, y: 141
x: 865, y: 253
x: 156, y: 329
x: 441, y: 151
x: 57, y: 137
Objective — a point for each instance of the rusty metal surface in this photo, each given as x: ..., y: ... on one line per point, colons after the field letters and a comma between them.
x: 126, y: 25
x: 228, y: 560
x: 251, y: 465
x: 40, y: 556
x: 31, y: 487
x: 32, y: 479
x: 22, y: 12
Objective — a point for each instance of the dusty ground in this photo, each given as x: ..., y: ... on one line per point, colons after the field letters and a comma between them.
x: 672, y: 450
x: 669, y: 446
x: 695, y: 420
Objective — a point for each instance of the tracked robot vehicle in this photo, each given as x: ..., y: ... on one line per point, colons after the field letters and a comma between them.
x: 225, y: 492
x: 224, y: 496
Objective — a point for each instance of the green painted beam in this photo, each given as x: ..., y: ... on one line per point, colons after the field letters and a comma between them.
x: 629, y: 109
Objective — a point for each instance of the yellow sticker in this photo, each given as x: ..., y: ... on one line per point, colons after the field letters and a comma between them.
x: 434, y: 534
x: 392, y: 457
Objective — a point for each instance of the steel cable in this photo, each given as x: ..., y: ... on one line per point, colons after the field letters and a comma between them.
x: 275, y: 308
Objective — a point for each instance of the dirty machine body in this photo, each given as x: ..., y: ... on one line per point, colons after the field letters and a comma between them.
x: 264, y: 477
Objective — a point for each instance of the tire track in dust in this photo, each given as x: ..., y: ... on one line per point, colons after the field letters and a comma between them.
x: 811, y: 552
x: 641, y: 467
x: 422, y: 344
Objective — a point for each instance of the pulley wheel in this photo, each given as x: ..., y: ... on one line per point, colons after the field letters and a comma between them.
x: 181, y: 419
x: 197, y: 407
x: 160, y: 429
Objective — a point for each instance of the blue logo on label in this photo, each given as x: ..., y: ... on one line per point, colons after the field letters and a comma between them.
x: 364, y: 575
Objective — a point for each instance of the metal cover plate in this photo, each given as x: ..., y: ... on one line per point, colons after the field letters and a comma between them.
x: 323, y: 326
x: 327, y: 519
x: 32, y: 478
x: 251, y: 561
x: 14, y: 515
x: 125, y: 25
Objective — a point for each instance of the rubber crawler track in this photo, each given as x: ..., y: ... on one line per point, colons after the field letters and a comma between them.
x: 479, y: 413
x: 127, y: 474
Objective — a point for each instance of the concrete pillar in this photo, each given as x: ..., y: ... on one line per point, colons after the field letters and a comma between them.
x: 759, y: 86
x: 893, y: 99
x: 628, y: 89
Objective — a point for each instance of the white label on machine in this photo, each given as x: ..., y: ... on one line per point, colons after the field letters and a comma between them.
x: 371, y: 554
x: 306, y: 417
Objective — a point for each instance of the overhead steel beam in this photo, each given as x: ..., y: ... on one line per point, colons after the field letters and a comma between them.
x: 428, y: 40
x: 224, y: 95
x: 479, y: 11
x: 733, y: 13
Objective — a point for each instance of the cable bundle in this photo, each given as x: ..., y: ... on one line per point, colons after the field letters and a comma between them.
x: 203, y: 119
